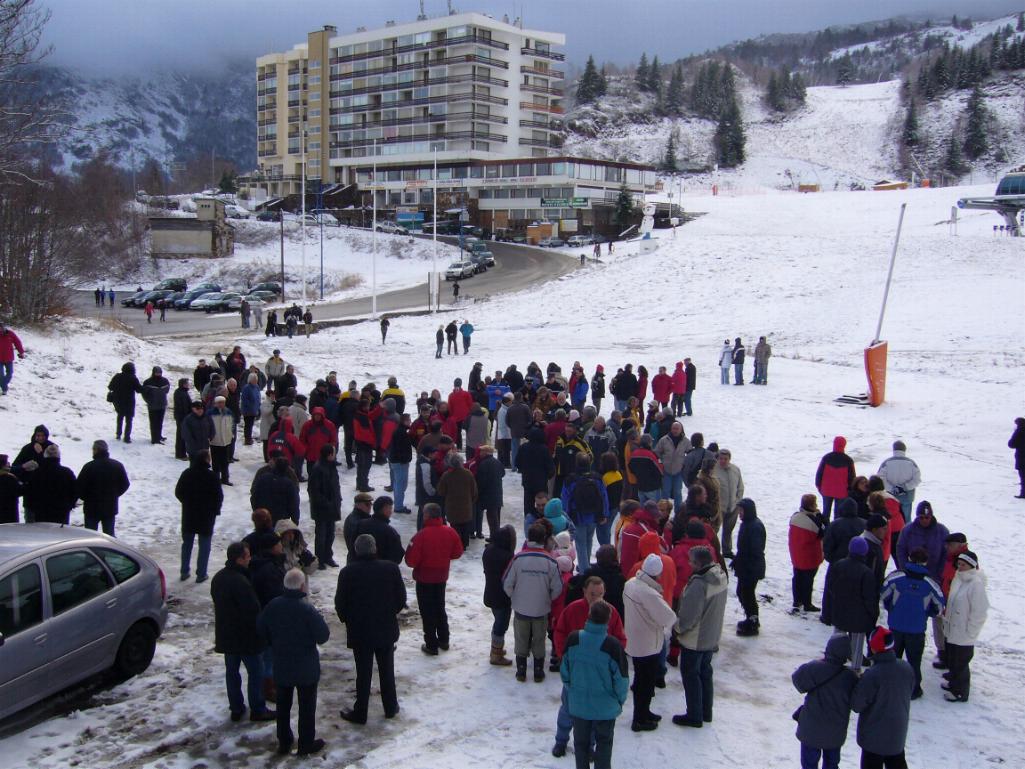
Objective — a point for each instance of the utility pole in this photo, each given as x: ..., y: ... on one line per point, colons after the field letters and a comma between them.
x: 281, y: 221
x: 434, y: 254
x: 373, y: 239
x: 302, y: 186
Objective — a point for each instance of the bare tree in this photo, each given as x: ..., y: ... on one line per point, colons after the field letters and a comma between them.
x: 27, y: 119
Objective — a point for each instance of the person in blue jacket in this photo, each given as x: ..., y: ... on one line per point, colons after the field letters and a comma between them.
x: 594, y: 671
x: 466, y: 330
x: 911, y: 597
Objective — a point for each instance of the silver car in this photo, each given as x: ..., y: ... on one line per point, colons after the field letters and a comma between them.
x: 73, y: 603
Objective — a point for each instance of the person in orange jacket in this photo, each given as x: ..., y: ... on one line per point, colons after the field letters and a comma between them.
x: 807, y: 527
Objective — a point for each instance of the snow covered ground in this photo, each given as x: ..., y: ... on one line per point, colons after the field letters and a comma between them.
x: 805, y: 270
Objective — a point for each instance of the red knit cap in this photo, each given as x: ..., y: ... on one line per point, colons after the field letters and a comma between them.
x: 880, y: 641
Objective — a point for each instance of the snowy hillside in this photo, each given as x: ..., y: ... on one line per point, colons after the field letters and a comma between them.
x: 805, y: 270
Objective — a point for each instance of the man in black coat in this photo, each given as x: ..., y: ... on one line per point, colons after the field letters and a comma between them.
x: 325, y: 504
x: 196, y: 429
x: 692, y: 381
x: 362, y: 506
x: 236, y: 608
x: 199, y: 490
x: 347, y: 407
x: 852, y: 605
x: 51, y: 490
x: 121, y: 392
x: 749, y: 565
x: 489, y: 491
x: 369, y: 597
x: 182, y: 405
x: 154, y: 391
x: 277, y: 492
x: 535, y: 466
x: 378, y: 525
x: 100, y: 483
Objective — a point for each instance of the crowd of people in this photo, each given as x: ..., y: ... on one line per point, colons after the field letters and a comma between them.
x: 630, y: 530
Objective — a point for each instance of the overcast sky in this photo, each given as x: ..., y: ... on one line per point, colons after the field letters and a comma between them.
x: 112, y: 36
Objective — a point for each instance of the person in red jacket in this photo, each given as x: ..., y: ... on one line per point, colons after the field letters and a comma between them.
x: 365, y: 435
x: 318, y: 431
x: 459, y: 404
x: 651, y: 544
x: 662, y: 387
x: 697, y: 534
x: 807, y: 527
x: 679, y: 388
x: 956, y: 544
x: 573, y: 618
x: 9, y: 342
x: 430, y: 552
x: 645, y: 519
x: 284, y: 440
x: 835, y: 475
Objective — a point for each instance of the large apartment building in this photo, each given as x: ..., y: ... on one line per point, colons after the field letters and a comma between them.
x: 481, y: 97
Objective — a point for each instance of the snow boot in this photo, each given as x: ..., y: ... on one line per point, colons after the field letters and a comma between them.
x: 270, y: 691
x: 539, y: 669
x: 748, y: 627
x: 553, y: 664
x: 498, y: 656
x: 521, y: 668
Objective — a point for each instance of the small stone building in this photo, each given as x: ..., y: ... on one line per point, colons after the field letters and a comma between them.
x: 208, y: 236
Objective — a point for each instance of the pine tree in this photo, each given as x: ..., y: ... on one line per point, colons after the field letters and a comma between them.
x: 602, y: 82
x: 729, y: 137
x: 845, y: 70
x: 589, y: 85
x: 641, y: 76
x: 669, y: 158
x: 910, y: 133
x: 798, y: 90
x: 774, y: 94
x: 228, y: 182
x: 674, y: 94
x: 655, y: 76
x: 1021, y: 22
x: 976, y: 142
x: 953, y: 161
x: 624, y: 208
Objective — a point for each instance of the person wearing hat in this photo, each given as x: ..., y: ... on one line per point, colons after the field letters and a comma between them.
x: 749, y: 565
x: 876, y: 533
x: 963, y: 619
x: 598, y: 387
x: 503, y: 434
x: 101, y: 482
x: 361, y: 508
x: 293, y: 629
x: 121, y: 393
x: 834, y: 476
x: 224, y: 435
x: 200, y: 493
x: 50, y: 488
x: 851, y: 598
x: 882, y: 700
x: 827, y: 685
x: 911, y: 597
x: 197, y: 428
x: 926, y: 532
x: 956, y: 543
x: 699, y: 620
x: 378, y: 525
x: 648, y: 618
x: 807, y: 527
x: 1017, y: 442
x: 901, y: 477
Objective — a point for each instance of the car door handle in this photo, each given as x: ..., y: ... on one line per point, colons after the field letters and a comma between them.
x: 111, y: 603
x: 40, y: 639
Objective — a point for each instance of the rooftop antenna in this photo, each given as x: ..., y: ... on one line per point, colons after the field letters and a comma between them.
x: 423, y: 15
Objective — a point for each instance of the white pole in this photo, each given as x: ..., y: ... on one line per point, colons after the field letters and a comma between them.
x: 373, y: 239
x: 302, y: 216
x: 889, y: 275
x: 434, y: 254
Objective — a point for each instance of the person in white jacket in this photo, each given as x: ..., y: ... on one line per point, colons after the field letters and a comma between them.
x: 725, y: 361
x: 963, y: 619
x: 647, y: 619
x: 901, y: 477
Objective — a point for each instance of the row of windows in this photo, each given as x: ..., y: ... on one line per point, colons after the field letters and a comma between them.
x: 420, y: 38
x: 526, y: 192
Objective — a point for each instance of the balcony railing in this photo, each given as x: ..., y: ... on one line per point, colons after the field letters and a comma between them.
x: 543, y: 54
x: 424, y: 82
x: 266, y: 153
x: 555, y: 109
x: 268, y: 121
x: 469, y: 58
x: 445, y: 99
x: 448, y: 117
x: 532, y: 88
x: 538, y: 143
x: 553, y: 73
x: 449, y: 136
x: 547, y: 125
x: 265, y: 91
x: 430, y: 45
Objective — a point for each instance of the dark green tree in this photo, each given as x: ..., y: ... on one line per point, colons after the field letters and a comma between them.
x: 589, y: 86
x: 623, y: 213
x: 1021, y: 22
x: 976, y: 141
x: 729, y: 137
x: 798, y: 90
x: 845, y: 70
x: 909, y: 134
x: 774, y: 94
x: 669, y: 158
x: 603, y: 82
x: 229, y: 181
x: 642, y: 75
x: 655, y: 76
x: 954, y: 161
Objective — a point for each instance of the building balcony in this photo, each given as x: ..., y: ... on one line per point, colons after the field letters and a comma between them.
x: 543, y: 54
x: 556, y: 74
x: 554, y: 109
x: 266, y: 91
x: 530, y: 87
x: 437, y: 137
x: 430, y: 45
x: 268, y: 121
x: 446, y: 99
x: 547, y: 125
x: 266, y: 153
x: 469, y: 58
x: 424, y: 82
x: 450, y: 117
x: 539, y: 143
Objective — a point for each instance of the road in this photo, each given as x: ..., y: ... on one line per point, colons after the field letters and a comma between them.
x: 516, y: 267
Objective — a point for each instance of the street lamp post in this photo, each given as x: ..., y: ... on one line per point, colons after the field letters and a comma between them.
x: 373, y: 239
x: 433, y: 293
x: 302, y: 186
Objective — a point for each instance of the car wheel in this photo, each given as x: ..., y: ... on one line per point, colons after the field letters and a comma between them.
x: 136, y: 650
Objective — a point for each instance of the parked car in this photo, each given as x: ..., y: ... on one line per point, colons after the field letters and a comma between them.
x: 172, y: 298
x: 552, y: 243
x: 478, y: 262
x: 457, y: 270
x: 322, y: 218
x: 268, y: 216
x: 582, y: 240
x: 263, y: 296
x: 152, y: 296
x: 73, y: 603
x: 172, y: 284
x: 130, y: 301
x: 216, y: 302
x: 236, y: 212
x: 481, y: 250
x: 185, y: 303
x: 392, y: 227
x: 470, y: 229
x: 267, y: 286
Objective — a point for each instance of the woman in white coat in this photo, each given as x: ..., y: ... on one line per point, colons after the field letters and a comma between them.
x: 962, y: 622
x: 647, y: 619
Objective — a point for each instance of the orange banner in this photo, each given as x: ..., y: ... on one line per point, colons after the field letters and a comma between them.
x: 875, y: 370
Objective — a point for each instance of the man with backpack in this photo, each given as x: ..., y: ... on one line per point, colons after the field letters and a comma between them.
x: 586, y: 501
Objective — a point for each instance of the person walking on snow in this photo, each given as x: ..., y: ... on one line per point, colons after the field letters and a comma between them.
x: 9, y: 342
x: 725, y: 361
x: 384, y: 327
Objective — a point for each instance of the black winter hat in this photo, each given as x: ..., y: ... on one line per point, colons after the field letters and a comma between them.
x: 875, y: 521
x: 41, y: 429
